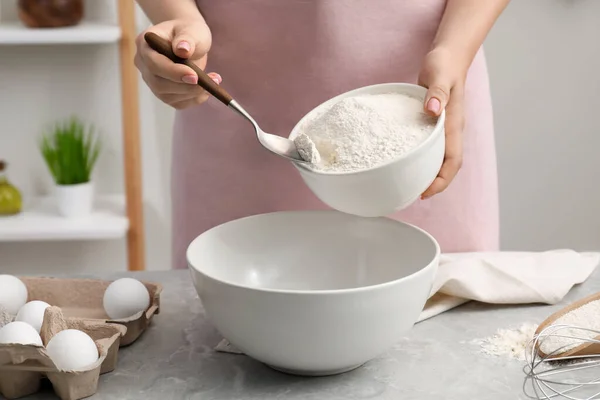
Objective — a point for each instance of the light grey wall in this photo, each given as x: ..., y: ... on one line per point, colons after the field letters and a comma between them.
x: 544, y: 61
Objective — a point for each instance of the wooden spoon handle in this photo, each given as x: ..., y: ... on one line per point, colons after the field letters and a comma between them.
x: 165, y: 48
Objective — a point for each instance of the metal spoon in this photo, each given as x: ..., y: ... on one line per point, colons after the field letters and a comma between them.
x: 276, y: 144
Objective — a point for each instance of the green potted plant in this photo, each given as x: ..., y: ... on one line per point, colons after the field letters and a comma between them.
x: 70, y: 151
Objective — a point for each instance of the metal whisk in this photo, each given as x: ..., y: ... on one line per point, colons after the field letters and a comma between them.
x: 551, y: 377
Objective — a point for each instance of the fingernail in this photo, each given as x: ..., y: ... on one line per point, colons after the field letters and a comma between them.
x: 434, y: 105
x: 216, y: 78
x: 191, y: 79
x: 183, y: 45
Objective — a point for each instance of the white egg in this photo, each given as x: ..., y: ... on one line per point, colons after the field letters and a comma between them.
x: 125, y: 297
x: 20, y: 333
x: 13, y: 293
x: 72, y: 350
x: 33, y: 313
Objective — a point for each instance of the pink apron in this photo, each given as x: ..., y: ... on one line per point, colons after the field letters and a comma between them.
x: 280, y: 59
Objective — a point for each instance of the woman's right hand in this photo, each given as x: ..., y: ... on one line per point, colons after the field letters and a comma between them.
x: 176, y: 84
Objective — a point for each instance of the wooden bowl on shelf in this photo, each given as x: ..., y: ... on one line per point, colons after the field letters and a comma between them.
x: 50, y: 13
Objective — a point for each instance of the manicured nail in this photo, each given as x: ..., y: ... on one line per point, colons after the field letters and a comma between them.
x: 191, y: 79
x: 183, y: 45
x: 434, y: 105
x: 216, y: 78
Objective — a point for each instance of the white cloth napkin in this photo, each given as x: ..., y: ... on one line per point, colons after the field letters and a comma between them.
x: 507, y: 278
x: 500, y: 278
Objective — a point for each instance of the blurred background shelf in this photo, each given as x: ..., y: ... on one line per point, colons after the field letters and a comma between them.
x: 40, y: 221
x: 82, y: 92
x: 15, y: 33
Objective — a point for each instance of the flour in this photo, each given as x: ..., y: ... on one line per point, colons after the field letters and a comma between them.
x: 511, y: 343
x: 307, y: 149
x: 586, y: 317
x: 362, y: 132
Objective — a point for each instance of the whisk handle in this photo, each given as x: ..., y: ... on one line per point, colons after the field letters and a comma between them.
x: 164, y: 47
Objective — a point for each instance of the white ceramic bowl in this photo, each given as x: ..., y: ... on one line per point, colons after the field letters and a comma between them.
x: 313, y: 292
x: 381, y: 190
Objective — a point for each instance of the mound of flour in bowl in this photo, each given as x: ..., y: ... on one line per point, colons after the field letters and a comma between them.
x: 365, y: 131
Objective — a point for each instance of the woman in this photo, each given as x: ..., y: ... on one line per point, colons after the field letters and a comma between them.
x: 282, y: 58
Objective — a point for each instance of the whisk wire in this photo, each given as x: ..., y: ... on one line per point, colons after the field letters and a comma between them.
x: 548, y: 375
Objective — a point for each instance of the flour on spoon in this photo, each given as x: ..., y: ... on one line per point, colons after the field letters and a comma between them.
x: 307, y: 149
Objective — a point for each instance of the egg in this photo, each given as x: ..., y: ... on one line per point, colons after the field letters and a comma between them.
x: 125, y: 297
x: 20, y: 333
x: 72, y: 350
x: 13, y: 293
x: 33, y: 313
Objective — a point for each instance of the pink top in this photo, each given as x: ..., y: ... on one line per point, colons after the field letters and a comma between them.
x: 280, y: 59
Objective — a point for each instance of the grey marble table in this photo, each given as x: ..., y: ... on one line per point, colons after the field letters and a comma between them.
x: 175, y: 359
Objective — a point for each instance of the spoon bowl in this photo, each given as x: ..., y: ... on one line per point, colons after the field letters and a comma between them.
x: 277, y: 145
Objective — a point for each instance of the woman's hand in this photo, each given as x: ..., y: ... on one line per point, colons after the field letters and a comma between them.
x: 445, y: 81
x: 176, y: 84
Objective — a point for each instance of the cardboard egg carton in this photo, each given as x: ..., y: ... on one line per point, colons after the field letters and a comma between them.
x: 83, y: 298
x: 22, y: 367
x: 75, y: 304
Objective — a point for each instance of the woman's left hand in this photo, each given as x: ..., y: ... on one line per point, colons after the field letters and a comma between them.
x: 445, y: 82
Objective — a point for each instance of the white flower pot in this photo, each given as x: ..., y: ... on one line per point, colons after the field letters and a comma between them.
x: 75, y: 201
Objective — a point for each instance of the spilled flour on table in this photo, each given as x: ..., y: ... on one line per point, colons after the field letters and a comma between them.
x: 510, y: 343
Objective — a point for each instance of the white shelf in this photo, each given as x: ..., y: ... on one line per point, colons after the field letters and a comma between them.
x: 40, y: 221
x: 15, y: 33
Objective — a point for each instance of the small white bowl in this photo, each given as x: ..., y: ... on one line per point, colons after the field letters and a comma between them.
x: 387, y: 188
x: 313, y: 292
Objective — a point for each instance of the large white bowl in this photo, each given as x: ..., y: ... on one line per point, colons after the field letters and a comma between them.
x: 313, y: 293
x: 381, y: 190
